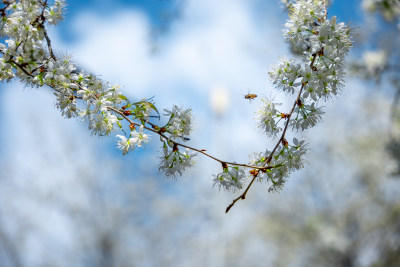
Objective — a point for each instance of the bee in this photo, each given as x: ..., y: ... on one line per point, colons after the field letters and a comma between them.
x: 250, y: 96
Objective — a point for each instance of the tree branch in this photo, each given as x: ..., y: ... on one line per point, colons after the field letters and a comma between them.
x: 243, y: 195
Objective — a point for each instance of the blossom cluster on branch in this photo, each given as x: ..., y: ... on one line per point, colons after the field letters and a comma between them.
x: 28, y: 55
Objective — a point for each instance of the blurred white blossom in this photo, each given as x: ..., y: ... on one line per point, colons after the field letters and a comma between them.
x: 374, y: 61
x: 230, y: 179
x: 174, y: 162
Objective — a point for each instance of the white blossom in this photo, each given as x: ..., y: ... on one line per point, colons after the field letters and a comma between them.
x: 59, y: 72
x: 180, y: 122
x: 374, y: 61
x: 285, y: 74
x: 324, y: 44
x: 100, y: 104
x: 143, y: 109
x: 86, y: 114
x: 6, y: 72
x: 125, y: 144
x: 285, y: 160
x: 231, y: 179
x: 306, y: 117
x: 139, y: 137
x: 66, y: 102
x: 135, y: 140
x: 102, y: 124
x: 55, y: 13
x: 174, y: 162
x: 294, y: 154
x: 299, y: 27
x: 85, y: 93
x: 267, y: 118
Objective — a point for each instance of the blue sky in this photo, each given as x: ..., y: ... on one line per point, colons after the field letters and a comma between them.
x: 160, y: 12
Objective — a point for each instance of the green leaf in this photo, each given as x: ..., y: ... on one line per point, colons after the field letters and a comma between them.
x: 119, y: 124
x: 128, y: 105
x: 124, y: 98
x: 154, y: 108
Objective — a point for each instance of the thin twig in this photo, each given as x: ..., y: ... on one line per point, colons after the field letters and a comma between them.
x: 326, y: 9
x: 45, y: 32
x: 21, y: 68
x: 49, y: 44
x: 243, y: 195
x: 202, y: 151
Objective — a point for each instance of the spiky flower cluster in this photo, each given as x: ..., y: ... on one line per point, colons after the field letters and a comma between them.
x: 324, y: 44
x: 135, y: 140
x: 231, y: 178
x: 267, y: 116
x: 180, y: 122
x: 286, y: 159
x: 174, y: 162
